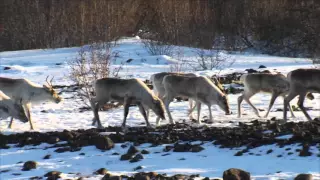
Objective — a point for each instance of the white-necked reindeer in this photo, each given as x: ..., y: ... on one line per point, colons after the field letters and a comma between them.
x: 276, y: 84
x: 9, y: 108
x: 302, y: 82
x: 126, y: 91
x: 200, y: 89
x: 28, y: 92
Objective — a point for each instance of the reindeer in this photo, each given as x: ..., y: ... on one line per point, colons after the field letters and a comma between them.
x: 126, y: 91
x: 10, y: 108
x: 28, y: 92
x: 200, y: 89
x: 159, y: 90
x: 302, y: 82
x: 276, y: 84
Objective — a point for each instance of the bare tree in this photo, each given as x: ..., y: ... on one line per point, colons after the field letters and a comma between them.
x: 209, y: 59
x: 93, y: 62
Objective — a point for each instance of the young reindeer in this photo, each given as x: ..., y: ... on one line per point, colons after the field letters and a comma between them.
x: 9, y: 108
x: 126, y: 91
x: 302, y: 81
x: 159, y: 90
x: 276, y: 84
x: 28, y: 92
x: 200, y: 89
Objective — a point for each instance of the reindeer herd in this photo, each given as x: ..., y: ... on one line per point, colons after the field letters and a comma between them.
x: 17, y: 95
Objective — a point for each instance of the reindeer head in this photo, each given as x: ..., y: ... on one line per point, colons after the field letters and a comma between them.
x: 158, y: 107
x: 53, y: 95
x: 223, y: 103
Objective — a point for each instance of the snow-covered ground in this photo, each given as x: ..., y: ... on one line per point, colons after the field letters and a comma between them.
x: 37, y: 64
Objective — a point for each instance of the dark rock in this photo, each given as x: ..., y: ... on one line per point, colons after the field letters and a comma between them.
x: 182, y: 147
x: 125, y: 157
x: 239, y: 153
x: 137, y: 168
x: 167, y: 148
x: 48, y: 156
x: 236, y: 174
x: 53, y: 175
x: 305, y: 150
x: 145, y: 152
x: 82, y: 154
x: 102, y: 171
x: 16, y: 174
x: 196, y: 148
x: 103, y: 142
x: 35, y: 178
x: 206, y: 178
x: 262, y: 66
x: 269, y: 151
x: 251, y: 70
x: 44, y: 111
x: 141, y: 176
x: 136, y: 158
x: 27, y: 166
x: 53, y: 140
x: 115, y: 153
x: 6, y: 68
x: 109, y: 177
x: 303, y: 177
x: 59, y: 64
x: 5, y: 170
x: 132, y: 150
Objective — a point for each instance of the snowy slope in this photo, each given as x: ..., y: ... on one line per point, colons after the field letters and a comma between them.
x: 37, y: 64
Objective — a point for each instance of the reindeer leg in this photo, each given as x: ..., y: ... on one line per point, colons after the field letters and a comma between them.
x: 210, y: 114
x: 10, y: 124
x: 96, y: 106
x: 247, y: 97
x: 27, y: 109
x: 191, y: 109
x: 291, y: 111
x: 240, y: 99
x: 126, y: 105
x: 198, y: 104
x: 300, y: 104
x: 286, y: 102
x: 143, y: 112
x: 167, y: 101
x: 273, y: 98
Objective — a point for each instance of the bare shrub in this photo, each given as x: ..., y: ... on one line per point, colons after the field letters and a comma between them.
x: 157, y: 47
x: 212, y: 59
x: 92, y: 62
x: 181, y: 65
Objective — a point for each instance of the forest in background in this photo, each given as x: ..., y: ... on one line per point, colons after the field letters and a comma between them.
x: 277, y: 27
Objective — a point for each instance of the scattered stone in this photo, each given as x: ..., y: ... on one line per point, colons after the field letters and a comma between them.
x: 103, y: 142
x: 137, y: 168
x: 53, y: 175
x: 305, y: 150
x: 132, y: 150
x: 141, y: 176
x: 167, y: 148
x: 269, y: 151
x: 262, y: 66
x: 115, y: 153
x: 44, y: 111
x: 196, y: 148
x: 239, y: 153
x: 182, y: 159
x: 35, y: 178
x: 125, y: 157
x: 27, y: 166
x: 166, y: 154
x: 109, y: 177
x: 102, y: 171
x: 136, y: 158
x: 48, y: 156
x: 236, y: 174
x: 251, y: 71
x: 58, y: 64
x: 304, y: 177
x: 6, y: 68
x: 82, y: 154
x: 16, y: 174
x: 145, y: 152
x: 5, y: 170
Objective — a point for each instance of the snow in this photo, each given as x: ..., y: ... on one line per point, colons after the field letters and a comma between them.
x: 37, y: 64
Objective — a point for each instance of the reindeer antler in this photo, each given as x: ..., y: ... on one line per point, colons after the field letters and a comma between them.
x: 49, y: 82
